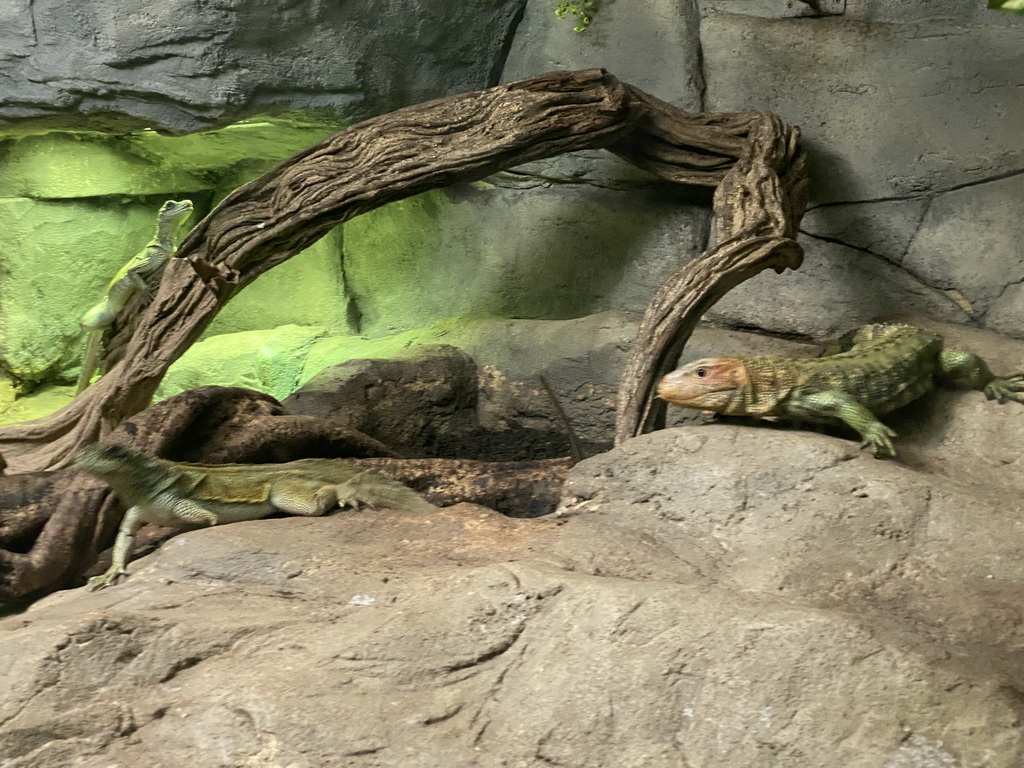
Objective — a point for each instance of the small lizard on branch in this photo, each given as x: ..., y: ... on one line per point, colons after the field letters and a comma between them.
x: 864, y: 374
x: 129, y: 280
x: 176, y: 494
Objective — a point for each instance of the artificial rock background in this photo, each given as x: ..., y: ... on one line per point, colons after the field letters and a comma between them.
x: 715, y: 596
x: 910, y: 113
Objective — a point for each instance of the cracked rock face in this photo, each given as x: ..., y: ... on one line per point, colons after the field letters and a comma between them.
x: 725, y: 594
x: 906, y: 109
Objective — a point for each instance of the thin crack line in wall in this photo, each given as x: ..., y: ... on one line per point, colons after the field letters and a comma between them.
x: 702, y: 72
x: 882, y: 257
x: 923, y: 195
x: 917, y: 228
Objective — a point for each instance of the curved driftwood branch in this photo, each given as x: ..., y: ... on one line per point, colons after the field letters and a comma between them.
x: 264, y: 223
x: 456, y: 139
x: 54, y: 523
x: 758, y: 207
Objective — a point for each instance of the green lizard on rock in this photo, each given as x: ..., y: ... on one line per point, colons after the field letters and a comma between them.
x: 176, y: 494
x: 129, y: 280
x: 864, y: 374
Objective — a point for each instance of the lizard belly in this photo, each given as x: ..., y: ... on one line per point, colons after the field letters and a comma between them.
x: 162, y: 513
x: 237, y: 511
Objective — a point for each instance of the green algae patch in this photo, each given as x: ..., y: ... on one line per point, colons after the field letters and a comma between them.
x: 79, y: 205
x: 71, y: 165
x: 269, y: 361
x: 56, y: 259
x: 307, y: 289
x: 42, y: 402
x: 61, y: 165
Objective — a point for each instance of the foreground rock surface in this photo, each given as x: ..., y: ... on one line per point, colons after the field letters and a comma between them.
x: 710, y: 596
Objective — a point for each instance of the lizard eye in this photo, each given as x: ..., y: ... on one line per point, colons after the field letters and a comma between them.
x: 701, y: 372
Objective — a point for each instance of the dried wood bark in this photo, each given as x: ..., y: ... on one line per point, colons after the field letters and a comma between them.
x: 264, y: 223
x: 54, y: 524
x: 758, y: 206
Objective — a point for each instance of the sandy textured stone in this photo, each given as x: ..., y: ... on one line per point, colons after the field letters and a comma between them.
x: 756, y: 596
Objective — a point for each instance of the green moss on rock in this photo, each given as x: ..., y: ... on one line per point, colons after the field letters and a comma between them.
x: 56, y: 259
x: 307, y: 289
x: 270, y: 361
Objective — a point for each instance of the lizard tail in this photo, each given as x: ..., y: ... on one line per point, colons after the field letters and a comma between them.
x: 376, y: 490
x: 92, y: 354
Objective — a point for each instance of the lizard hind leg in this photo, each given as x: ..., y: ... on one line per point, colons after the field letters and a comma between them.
x: 191, y: 512
x: 298, y: 496
x: 966, y: 371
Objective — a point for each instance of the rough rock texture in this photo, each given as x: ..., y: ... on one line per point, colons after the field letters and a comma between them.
x: 186, y: 65
x: 836, y: 288
x: 906, y: 109
x: 714, y: 595
x: 413, y: 401
x: 42, y: 256
x: 530, y: 244
x: 669, y: 67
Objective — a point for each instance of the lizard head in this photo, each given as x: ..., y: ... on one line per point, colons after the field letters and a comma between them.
x: 132, y: 474
x: 173, y: 214
x: 175, y: 209
x: 710, y: 384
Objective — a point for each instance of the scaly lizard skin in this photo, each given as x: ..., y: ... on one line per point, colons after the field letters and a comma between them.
x: 865, y: 374
x: 131, y: 278
x: 177, y: 494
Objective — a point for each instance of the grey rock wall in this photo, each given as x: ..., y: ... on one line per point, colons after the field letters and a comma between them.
x: 186, y: 65
x: 912, y: 114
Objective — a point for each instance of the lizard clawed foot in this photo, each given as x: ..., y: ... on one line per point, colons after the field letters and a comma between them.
x: 107, y: 579
x: 878, y: 438
x: 1003, y: 388
x: 351, y: 493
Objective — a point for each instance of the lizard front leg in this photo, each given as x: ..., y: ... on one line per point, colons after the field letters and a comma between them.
x: 183, y: 509
x: 835, y: 404
x: 122, y: 550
